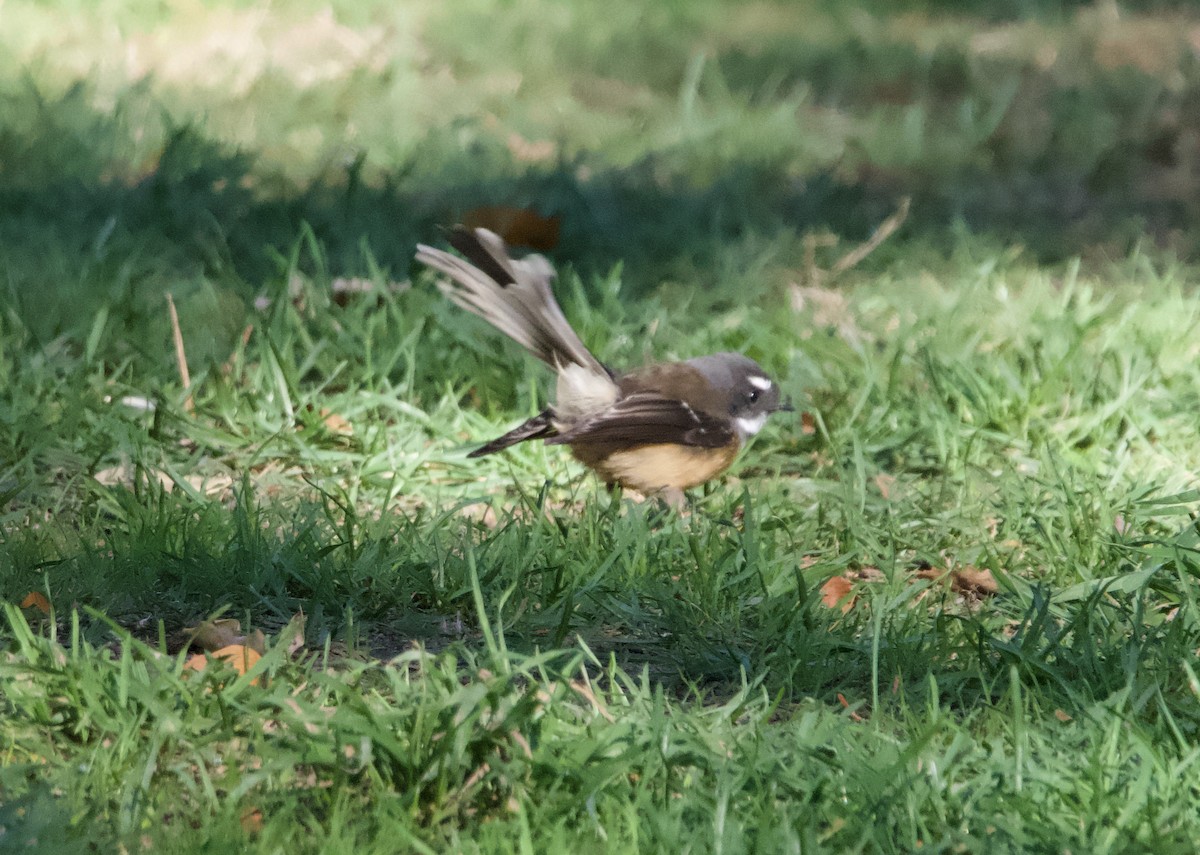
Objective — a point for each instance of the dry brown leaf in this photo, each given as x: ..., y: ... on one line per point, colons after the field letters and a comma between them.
x: 585, y: 691
x: 966, y: 581
x: 252, y: 820
x: 931, y: 573
x: 293, y: 633
x: 531, y: 151
x: 518, y: 226
x: 837, y: 591
x: 971, y: 581
x: 883, y: 483
x: 210, y: 485
x: 123, y: 475
x: 256, y: 641
x: 866, y: 573
x: 483, y: 513
x: 336, y: 423
x: 808, y: 424
x: 36, y: 600
x: 212, y: 635
x: 1062, y: 716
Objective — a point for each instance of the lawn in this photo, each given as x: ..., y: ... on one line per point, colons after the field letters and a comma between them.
x: 948, y: 605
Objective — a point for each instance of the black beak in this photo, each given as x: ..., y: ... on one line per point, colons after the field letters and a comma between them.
x: 784, y: 407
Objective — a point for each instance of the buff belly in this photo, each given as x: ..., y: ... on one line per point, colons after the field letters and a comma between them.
x: 657, y: 468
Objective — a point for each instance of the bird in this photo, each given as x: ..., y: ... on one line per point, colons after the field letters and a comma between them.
x: 660, y: 429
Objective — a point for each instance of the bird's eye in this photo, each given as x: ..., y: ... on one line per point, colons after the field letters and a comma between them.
x: 753, y: 396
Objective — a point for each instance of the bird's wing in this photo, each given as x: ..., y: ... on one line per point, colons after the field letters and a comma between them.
x: 647, y: 418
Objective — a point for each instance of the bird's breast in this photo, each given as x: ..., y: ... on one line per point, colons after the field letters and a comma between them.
x: 657, y: 467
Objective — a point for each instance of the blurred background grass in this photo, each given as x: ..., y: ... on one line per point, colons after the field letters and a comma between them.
x: 194, y: 141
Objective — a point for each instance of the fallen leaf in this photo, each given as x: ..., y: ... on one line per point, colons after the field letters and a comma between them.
x: 972, y: 581
x: 808, y: 424
x: 240, y: 657
x: 846, y: 704
x: 252, y: 820
x: 210, y: 485
x: 966, y: 581
x: 212, y: 635
x: 256, y: 641
x: 336, y: 423
x: 836, y: 590
x: 36, y: 600
x: 293, y: 633
x: 123, y: 475
x: 1062, y: 716
x: 884, y: 483
x: 517, y: 226
x: 866, y: 573
x: 931, y: 573
x: 585, y: 692
x: 531, y: 151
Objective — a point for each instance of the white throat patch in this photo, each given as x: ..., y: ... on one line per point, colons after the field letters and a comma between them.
x: 749, y: 426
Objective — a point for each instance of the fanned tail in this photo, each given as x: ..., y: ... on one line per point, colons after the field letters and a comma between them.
x: 513, y: 295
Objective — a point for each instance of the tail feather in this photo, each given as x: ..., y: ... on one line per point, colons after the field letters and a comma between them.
x: 539, y: 427
x: 512, y: 295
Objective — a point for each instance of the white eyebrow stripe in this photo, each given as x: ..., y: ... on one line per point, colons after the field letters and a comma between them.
x: 761, y: 383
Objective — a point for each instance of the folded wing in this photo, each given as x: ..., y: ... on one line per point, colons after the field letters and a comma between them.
x: 647, y: 418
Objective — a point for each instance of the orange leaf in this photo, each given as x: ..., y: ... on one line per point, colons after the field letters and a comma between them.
x: 836, y: 590
x: 36, y: 600
x: 846, y: 704
x: 252, y: 820
x: 518, y: 226
x: 239, y: 656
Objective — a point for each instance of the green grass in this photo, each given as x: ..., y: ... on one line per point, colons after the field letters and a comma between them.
x: 498, y: 654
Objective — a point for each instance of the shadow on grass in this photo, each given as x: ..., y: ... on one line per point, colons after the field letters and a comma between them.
x: 195, y: 207
x: 85, y: 205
